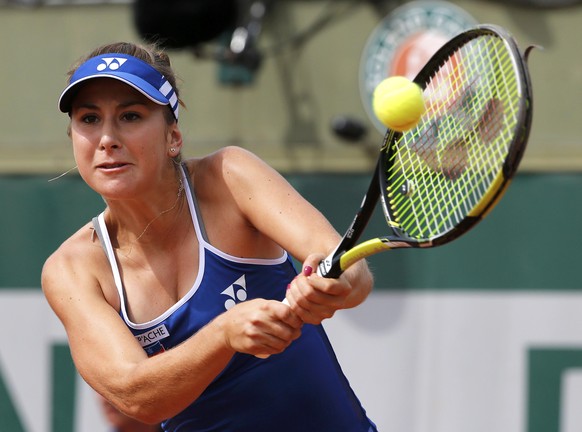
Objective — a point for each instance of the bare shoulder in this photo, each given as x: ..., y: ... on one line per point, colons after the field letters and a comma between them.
x: 73, y: 267
x: 239, y: 190
x: 229, y: 170
x: 230, y: 160
x: 236, y: 189
x: 72, y: 250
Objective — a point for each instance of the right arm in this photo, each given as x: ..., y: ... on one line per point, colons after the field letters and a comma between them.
x: 110, y: 359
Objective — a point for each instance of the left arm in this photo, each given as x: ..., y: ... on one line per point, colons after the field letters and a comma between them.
x: 276, y: 210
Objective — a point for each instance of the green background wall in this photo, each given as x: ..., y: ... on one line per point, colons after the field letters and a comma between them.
x: 530, y: 241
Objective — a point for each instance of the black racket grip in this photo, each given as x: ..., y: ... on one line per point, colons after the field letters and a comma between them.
x: 330, y: 267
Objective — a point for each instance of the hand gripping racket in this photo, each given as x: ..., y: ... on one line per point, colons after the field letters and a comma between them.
x: 441, y: 178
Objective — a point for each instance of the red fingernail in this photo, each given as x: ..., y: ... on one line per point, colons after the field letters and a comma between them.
x: 288, y: 286
x: 307, y: 270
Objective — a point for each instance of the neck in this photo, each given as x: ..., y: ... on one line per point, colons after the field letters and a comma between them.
x: 163, y: 212
x: 132, y: 224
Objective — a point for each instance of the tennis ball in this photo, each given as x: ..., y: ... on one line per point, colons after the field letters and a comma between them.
x: 398, y: 103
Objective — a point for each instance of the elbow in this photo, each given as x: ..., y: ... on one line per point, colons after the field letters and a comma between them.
x: 137, y: 403
x: 120, y: 408
x: 147, y: 405
x: 143, y: 414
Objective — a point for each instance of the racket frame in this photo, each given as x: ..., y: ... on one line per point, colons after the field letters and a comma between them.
x: 347, y: 253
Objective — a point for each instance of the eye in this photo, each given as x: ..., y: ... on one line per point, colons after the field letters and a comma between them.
x: 131, y: 116
x: 89, y: 118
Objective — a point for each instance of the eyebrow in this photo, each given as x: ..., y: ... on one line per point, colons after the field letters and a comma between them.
x: 131, y: 102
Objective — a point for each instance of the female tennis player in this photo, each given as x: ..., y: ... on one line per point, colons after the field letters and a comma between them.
x: 170, y: 295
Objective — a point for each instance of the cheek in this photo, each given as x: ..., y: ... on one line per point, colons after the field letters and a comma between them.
x: 83, y: 153
x: 154, y: 144
x: 82, y: 149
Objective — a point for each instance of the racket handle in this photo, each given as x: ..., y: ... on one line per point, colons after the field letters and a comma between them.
x: 330, y: 267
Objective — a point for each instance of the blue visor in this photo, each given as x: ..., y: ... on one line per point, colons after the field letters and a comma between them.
x: 128, y: 69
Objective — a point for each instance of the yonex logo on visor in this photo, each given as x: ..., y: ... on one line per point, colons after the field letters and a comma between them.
x: 128, y: 69
x: 111, y: 63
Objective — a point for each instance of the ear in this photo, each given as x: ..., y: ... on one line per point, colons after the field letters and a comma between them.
x: 174, y: 146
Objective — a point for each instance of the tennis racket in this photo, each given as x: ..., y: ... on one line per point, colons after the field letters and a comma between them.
x: 438, y: 180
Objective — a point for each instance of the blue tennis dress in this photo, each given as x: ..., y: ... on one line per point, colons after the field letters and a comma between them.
x: 302, y: 389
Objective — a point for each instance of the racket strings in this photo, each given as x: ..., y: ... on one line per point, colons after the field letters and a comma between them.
x: 440, y: 170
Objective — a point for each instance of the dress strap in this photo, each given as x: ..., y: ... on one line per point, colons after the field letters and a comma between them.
x: 101, y: 230
x: 193, y: 202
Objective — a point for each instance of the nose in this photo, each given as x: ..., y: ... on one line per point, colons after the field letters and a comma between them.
x: 109, y: 137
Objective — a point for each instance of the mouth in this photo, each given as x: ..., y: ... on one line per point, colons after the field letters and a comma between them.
x: 111, y: 165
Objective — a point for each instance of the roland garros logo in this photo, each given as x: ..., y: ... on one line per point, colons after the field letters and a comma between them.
x: 404, y: 41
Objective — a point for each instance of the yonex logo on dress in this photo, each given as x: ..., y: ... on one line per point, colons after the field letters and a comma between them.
x: 237, y: 292
x: 112, y: 63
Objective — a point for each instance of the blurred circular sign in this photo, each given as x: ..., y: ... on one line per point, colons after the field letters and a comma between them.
x: 404, y: 41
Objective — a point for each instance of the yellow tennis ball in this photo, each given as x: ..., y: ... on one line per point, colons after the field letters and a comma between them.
x: 398, y: 103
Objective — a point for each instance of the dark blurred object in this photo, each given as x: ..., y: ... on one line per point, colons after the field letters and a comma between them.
x: 348, y: 128
x: 354, y: 132
x: 226, y: 31
x: 243, y: 44
x: 184, y: 23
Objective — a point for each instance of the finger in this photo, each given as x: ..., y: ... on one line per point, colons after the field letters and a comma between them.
x: 315, y: 299
x: 278, y: 329
x: 291, y: 319
x: 320, y: 291
x: 278, y: 338
x: 311, y: 306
